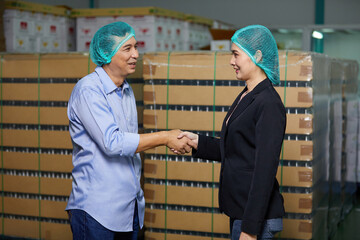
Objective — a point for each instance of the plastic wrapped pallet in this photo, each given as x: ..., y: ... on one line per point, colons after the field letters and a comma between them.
x: 36, y: 149
x: 336, y: 140
x: 2, y: 36
x: 350, y: 125
x: 31, y: 27
x: 156, y: 29
x: 193, y: 91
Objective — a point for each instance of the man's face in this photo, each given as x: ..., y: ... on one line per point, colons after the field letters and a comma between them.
x: 126, y: 57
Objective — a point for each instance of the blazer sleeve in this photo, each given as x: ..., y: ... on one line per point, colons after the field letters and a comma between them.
x: 269, y: 134
x: 208, y: 148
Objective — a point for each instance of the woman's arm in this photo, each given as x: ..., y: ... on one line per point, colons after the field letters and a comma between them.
x: 269, y: 134
x: 206, y: 147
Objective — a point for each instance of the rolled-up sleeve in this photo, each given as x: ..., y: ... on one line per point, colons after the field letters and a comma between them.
x: 131, y: 143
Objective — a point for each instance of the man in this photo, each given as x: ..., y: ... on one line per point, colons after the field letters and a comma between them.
x: 107, y: 201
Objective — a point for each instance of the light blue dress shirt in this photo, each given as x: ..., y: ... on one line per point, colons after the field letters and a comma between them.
x: 104, y: 131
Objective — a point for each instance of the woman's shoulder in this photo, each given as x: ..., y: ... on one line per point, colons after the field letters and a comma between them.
x: 269, y: 98
x: 269, y: 94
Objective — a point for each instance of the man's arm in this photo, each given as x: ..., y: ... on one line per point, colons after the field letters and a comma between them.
x: 168, y: 138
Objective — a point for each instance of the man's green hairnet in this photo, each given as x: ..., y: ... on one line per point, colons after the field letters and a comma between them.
x: 107, y: 41
x: 254, y: 38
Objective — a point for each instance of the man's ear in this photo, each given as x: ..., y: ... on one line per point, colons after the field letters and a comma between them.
x: 258, y: 56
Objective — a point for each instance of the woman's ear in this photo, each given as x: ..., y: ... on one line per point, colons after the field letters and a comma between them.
x: 258, y: 56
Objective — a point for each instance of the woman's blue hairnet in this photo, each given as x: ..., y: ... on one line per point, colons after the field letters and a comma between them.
x: 107, y: 41
x: 256, y: 37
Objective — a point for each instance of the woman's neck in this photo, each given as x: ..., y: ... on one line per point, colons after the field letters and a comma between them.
x: 253, y: 82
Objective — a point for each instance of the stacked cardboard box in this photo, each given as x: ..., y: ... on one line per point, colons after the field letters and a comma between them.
x: 31, y: 27
x: 35, y: 143
x: 156, y: 29
x: 193, y: 91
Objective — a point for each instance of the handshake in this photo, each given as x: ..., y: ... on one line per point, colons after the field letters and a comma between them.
x: 182, y: 142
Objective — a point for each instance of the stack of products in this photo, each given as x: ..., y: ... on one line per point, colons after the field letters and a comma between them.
x: 350, y: 100
x: 31, y: 27
x: 2, y: 36
x: 156, y: 29
x: 193, y: 91
x: 36, y: 149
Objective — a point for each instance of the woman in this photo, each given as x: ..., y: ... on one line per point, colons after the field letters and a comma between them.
x: 251, y: 139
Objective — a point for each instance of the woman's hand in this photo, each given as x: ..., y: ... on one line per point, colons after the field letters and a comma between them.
x: 192, y: 136
x: 179, y: 145
x: 245, y: 236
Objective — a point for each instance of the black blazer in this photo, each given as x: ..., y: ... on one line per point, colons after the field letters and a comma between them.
x: 249, y: 150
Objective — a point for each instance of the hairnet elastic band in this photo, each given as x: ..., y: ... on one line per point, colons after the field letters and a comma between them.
x: 246, y: 51
x: 120, y: 44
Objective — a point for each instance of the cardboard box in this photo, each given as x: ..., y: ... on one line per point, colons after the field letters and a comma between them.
x: 29, y: 138
x: 30, y: 207
x: 36, y: 31
x: 200, y: 171
x: 34, y: 7
x: 294, y: 66
x: 55, y: 231
x: 220, y: 45
x: 30, y: 161
x: 21, y: 228
x: 186, y: 171
x: 30, y: 229
x: 296, y: 229
x: 51, y: 66
x: 206, y: 120
x: 300, y: 97
x: 170, y: 236
x: 292, y: 150
x: 136, y: 11
x: 201, y: 196
x: 183, y: 220
x: 27, y: 184
x: 181, y: 195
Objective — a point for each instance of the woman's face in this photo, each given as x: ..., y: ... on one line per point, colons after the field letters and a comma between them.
x: 241, y: 62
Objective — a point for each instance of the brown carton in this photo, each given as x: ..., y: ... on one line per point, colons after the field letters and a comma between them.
x: 292, y: 150
x: 182, y: 220
x: 207, y: 120
x: 223, y: 95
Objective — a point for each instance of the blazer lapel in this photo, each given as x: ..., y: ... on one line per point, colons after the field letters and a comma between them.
x: 244, y: 103
x: 224, y: 127
x: 248, y: 99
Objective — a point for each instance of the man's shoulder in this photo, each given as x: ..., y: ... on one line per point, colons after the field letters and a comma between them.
x: 89, y: 83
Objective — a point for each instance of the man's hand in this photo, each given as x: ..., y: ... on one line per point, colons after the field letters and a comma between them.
x: 245, y: 236
x: 179, y: 146
x: 192, y: 136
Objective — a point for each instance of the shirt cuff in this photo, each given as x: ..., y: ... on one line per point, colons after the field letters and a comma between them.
x: 131, y: 143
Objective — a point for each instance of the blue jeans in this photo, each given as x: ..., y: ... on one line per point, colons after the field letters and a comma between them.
x: 270, y: 228
x: 85, y: 227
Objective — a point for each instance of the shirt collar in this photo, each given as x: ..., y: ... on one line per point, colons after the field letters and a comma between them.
x: 109, y: 85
